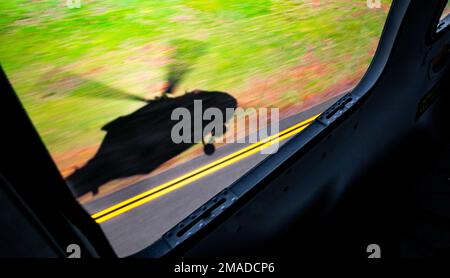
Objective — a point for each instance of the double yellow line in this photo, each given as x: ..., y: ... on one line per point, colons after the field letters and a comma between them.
x: 197, y: 174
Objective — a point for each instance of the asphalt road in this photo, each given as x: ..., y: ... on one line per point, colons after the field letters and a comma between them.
x: 138, y: 215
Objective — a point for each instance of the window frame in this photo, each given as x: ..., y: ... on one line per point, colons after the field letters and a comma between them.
x: 254, y: 180
x: 299, y: 145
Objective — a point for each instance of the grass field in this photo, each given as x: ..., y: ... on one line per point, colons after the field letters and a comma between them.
x: 73, y: 68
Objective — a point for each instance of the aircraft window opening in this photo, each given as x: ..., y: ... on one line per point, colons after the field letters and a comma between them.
x: 446, y: 11
x: 444, y: 20
x: 150, y: 109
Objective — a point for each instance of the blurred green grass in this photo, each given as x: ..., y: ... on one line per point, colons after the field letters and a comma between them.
x: 70, y: 66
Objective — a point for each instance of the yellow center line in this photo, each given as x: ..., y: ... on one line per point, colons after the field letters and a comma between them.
x: 197, y: 174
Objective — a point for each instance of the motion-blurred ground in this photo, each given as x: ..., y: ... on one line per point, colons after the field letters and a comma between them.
x: 77, y: 69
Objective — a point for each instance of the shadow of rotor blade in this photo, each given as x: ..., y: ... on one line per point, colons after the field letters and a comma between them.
x: 92, y: 89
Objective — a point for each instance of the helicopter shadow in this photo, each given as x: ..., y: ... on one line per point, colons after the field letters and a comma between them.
x: 140, y: 142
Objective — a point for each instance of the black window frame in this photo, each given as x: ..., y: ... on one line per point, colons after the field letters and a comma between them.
x: 301, y: 143
x: 254, y: 180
